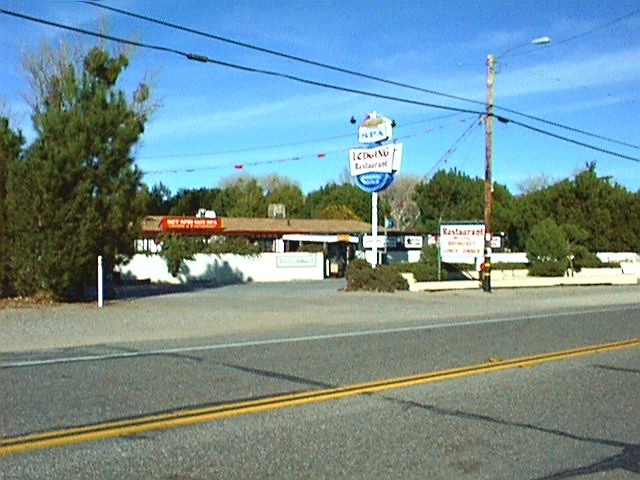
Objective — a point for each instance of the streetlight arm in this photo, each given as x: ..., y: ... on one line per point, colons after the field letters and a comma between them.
x: 536, y: 41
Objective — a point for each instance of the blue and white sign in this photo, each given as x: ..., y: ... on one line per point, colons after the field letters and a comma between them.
x: 374, y: 168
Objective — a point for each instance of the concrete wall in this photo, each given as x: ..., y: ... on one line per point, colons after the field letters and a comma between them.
x: 228, y: 268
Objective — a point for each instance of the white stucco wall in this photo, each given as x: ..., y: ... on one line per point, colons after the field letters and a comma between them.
x: 228, y: 268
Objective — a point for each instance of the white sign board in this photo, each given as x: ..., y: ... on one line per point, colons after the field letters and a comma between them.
x: 374, y: 130
x: 295, y: 260
x: 381, y: 241
x: 413, y: 241
x: 461, y: 243
x: 385, y: 159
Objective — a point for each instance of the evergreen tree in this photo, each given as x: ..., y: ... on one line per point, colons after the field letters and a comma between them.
x: 188, y: 202
x: 10, y: 148
x: 243, y: 196
x: 345, y: 195
x: 454, y: 195
x: 158, y: 200
x: 547, y: 250
x: 607, y: 213
x: 75, y: 194
x: 290, y: 196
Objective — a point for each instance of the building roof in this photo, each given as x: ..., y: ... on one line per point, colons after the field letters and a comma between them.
x: 152, y: 225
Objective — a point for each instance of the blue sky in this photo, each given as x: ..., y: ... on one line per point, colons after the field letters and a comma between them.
x: 214, y: 119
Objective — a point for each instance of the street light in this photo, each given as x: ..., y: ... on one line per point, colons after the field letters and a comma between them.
x: 488, y: 152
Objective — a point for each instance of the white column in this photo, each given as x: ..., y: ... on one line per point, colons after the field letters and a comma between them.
x: 100, y: 283
x: 374, y: 226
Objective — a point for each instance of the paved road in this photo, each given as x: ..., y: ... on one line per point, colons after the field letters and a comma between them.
x: 555, y: 420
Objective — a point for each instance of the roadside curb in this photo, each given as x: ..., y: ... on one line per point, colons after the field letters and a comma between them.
x: 524, y: 282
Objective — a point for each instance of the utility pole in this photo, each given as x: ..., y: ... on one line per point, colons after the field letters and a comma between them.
x: 488, y: 152
x: 488, y: 180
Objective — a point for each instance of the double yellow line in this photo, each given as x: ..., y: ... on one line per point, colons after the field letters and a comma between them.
x: 189, y: 416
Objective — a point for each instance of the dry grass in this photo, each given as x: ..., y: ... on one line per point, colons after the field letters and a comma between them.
x: 40, y: 299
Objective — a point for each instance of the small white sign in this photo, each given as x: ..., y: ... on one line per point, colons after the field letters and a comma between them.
x: 413, y: 241
x: 295, y: 260
x: 367, y: 241
x: 374, y: 130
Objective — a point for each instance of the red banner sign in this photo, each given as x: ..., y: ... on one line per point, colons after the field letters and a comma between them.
x: 185, y: 224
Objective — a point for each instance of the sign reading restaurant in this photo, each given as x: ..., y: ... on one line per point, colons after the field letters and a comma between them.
x: 385, y: 158
x: 463, y: 243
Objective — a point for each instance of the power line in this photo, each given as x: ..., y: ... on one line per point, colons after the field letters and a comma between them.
x: 360, y: 74
x: 206, y: 59
x: 599, y: 27
x: 575, y: 142
x: 323, y: 154
x: 244, y: 150
x: 451, y: 150
x: 277, y: 53
x: 282, y: 145
x: 555, y: 124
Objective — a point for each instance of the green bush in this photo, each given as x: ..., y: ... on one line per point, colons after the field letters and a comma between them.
x: 547, y: 250
x: 177, y: 249
x: 509, y: 266
x: 231, y: 244
x: 360, y: 275
x: 422, y: 272
x: 583, y: 258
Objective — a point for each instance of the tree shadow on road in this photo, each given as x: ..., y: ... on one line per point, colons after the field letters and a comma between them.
x: 628, y: 459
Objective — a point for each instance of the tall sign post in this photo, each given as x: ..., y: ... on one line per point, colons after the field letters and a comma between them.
x: 374, y: 167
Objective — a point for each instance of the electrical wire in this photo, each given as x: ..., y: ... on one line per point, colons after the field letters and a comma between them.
x: 206, y: 59
x: 575, y: 142
x: 277, y: 53
x: 599, y: 27
x: 364, y: 75
x: 323, y: 154
x: 451, y: 150
x: 273, y: 146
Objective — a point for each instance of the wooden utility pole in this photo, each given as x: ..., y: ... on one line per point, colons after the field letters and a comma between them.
x: 488, y: 180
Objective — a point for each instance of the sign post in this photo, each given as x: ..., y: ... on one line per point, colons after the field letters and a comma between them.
x: 100, y: 283
x: 374, y: 167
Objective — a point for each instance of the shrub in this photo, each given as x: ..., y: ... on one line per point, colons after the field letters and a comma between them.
x: 547, y: 250
x: 583, y: 258
x: 232, y: 244
x: 177, y: 249
x: 384, y: 278
x: 422, y: 272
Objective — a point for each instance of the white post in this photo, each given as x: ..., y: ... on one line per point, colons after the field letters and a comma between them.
x: 374, y: 226
x: 100, y: 283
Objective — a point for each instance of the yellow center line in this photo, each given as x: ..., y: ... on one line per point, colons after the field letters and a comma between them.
x: 130, y: 426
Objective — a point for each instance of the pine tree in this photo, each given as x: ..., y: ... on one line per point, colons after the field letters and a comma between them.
x: 75, y: 194
x: 10, y: 148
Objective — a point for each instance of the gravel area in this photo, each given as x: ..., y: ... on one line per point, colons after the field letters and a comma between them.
x: 155, y: 313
